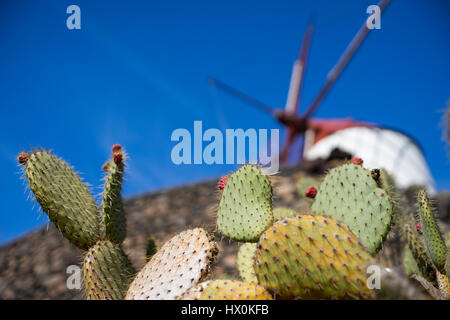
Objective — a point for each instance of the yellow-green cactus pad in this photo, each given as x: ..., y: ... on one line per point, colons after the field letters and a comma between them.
x: 444, y: 285
x: 227, y: 290
x: 312, y: 257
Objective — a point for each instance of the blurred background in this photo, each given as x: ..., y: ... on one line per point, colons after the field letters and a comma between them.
x: 137, y: 70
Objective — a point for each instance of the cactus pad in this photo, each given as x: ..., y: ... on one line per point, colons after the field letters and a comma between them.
x: 64, y: 198
x: 435, y: 244
x: 350, y: 195
x: 444, y: 285
x: 245, y: 259
x: 227, y: 290
x: 417, y: 247
x: 107, y: 272
x: 113, y: 214
x: 409, y: 263
x: 245, y: 208
x: 311, y: 257
x: 181, y: 263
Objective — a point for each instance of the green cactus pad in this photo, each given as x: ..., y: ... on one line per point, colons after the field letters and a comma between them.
x: 107, y: 272
x: 281, y: 213
x: 64, y: 198
x: 350, y: 195
x: 417, y: 247
x: 447, y: 264
x: 447, y: 261
x: 435, y: 244
x: 113, y: 215
x: 312, y: 257
x: 245, y: 208
x: 245, y: 259
x: 181, y: 263
x: 409, y: 263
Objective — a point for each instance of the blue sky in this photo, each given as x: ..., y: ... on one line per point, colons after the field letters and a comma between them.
x: 137, y: 70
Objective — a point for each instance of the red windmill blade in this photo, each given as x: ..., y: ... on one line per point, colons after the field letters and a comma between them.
x: 295, y: 124
x: 295, y: 88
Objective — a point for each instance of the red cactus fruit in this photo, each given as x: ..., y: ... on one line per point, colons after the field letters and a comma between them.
x: 222, y: 182
x: 357, y: 160
x: 419, y: 227
x: 116, y: 148
x: 118, y: 157
x: 311, y: 192
x: 23, y: 157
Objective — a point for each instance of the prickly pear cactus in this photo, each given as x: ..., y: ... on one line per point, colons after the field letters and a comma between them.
x: 245, y: 260
x: 435, y: 244
x: 227, y: 290
x: 63, y: 197
x: 107, y: 272
x: 311, y: 257
x: 281, y: 213
x: 245, y: 208
x: 70, y: 206
x: 180, y: 264
x: 350, y: 194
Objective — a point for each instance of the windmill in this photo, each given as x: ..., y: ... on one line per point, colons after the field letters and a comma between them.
x: 402, y: 156
x: 296, y: 124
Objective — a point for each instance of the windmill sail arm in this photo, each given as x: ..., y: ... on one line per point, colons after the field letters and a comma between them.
x: 334, y: 74
x: 242, y: 96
